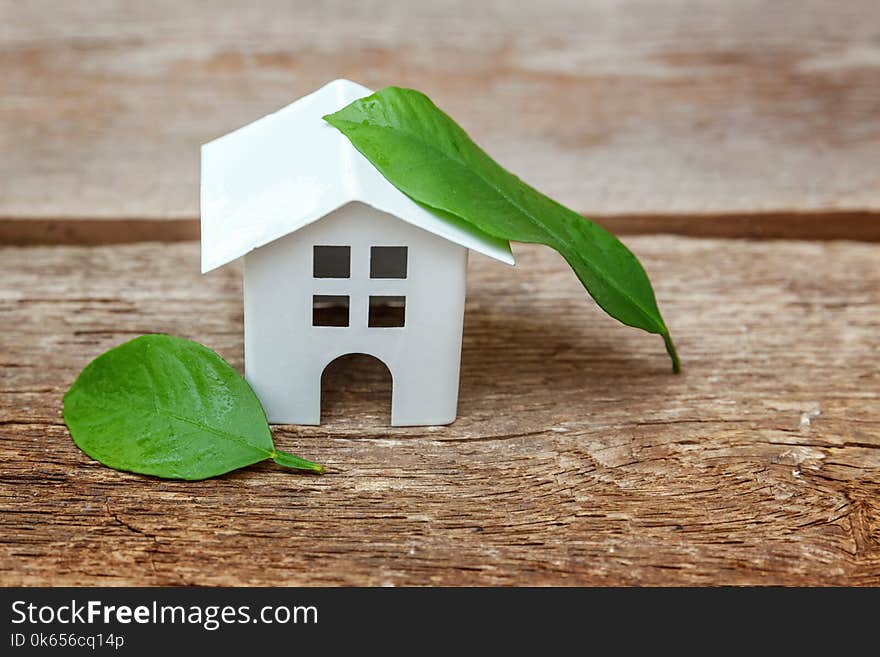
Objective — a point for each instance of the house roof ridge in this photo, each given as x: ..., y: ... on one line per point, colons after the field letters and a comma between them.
x: 289, y: 169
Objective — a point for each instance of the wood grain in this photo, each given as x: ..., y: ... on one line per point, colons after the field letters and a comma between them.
x: 831, y: 225
x: 640, y: 109
x: 577, y: 458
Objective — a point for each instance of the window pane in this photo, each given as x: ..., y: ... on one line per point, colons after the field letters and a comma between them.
x: 387, y: 312
x: 329, y: 310
x: 388, y: 262
x: 332, y: 262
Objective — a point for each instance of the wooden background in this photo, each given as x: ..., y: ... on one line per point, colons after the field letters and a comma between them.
x: 692, y: 127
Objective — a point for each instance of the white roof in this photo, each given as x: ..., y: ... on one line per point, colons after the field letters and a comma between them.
x: 289, y: 169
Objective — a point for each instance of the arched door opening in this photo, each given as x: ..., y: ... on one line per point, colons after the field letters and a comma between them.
x: 356, y: 389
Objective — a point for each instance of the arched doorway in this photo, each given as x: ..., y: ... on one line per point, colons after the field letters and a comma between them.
x: 356, y: 389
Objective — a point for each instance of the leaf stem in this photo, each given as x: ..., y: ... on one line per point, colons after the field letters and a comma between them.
x: 289, y: 460
x: 673, y: 354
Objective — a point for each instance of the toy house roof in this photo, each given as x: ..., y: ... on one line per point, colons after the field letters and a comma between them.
x: 289, y: 169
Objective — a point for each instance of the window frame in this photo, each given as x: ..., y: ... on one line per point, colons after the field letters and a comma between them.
x: 396, y: 276
x: 320, y: 264
x: 325, y: 298
x: 390, y: 297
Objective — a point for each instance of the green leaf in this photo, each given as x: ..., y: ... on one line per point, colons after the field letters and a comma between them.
x: 426, y: 155
x: 165, y: 406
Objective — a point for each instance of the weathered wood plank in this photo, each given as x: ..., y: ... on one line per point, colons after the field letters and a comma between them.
x: 832, y: 225
x: 577, y: 457
x: 640, y: 109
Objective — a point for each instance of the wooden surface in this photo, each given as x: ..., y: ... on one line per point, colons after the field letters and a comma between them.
x: 636, y: 112
x: 577, y: 458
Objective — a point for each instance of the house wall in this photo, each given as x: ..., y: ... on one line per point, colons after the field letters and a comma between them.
x: 285, y: 355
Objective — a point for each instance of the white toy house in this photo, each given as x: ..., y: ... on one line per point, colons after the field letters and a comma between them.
x: 336, y: 261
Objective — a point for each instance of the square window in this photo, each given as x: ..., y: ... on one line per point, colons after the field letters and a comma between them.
x: 387, y: 312
x: 331, y: 262
x: 329, y: 310
x: 388, y: 262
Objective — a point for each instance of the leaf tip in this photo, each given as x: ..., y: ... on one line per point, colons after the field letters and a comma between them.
x: 291, y: 461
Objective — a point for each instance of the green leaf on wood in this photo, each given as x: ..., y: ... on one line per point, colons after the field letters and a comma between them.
x: 169, y: 407
x: 428, y: 156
